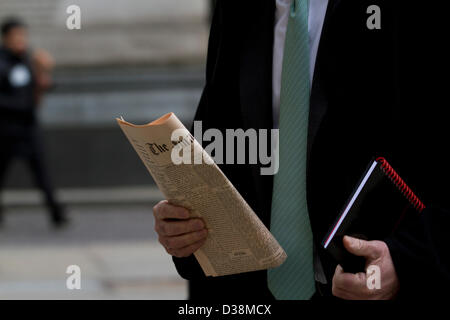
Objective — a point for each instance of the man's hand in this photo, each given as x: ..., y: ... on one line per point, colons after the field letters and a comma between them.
x: 354, y: 286
x: 179, y: 234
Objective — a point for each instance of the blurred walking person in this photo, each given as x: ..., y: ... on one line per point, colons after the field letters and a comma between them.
x: 23, y: 80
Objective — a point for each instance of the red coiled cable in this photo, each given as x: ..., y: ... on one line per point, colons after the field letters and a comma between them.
x: 401, y: 185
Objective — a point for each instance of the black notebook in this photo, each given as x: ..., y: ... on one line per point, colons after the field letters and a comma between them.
x: 373, y: 211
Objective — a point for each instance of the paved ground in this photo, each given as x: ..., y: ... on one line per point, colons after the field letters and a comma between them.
x: 114, y: 245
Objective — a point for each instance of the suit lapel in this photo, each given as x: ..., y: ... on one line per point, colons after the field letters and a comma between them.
x: 319, y: 101
x: 255, y: 85
x: 255, y: 72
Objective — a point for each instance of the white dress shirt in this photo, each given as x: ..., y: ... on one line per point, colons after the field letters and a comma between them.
x: 317, y: 10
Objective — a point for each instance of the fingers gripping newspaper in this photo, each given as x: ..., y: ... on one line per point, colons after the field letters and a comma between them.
x: 237, y: 239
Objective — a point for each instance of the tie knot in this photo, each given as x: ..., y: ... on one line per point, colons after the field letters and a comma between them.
x: 299, y: 7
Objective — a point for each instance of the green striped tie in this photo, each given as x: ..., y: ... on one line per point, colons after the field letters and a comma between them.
x: 290, y: 221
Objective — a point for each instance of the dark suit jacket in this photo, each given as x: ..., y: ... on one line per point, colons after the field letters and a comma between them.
x: 374, y: 93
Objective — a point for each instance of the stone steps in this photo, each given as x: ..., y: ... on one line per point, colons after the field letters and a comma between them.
x: 115, y: 32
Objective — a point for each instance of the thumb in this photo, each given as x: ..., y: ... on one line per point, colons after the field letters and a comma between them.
x: 362, y: 248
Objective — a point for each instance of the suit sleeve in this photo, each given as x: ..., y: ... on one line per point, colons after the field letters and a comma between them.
x: 188, y: 267
x: 420, y: 254
x: 420, y: 246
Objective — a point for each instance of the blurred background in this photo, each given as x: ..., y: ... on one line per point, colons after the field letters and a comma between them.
x: 133, y: 58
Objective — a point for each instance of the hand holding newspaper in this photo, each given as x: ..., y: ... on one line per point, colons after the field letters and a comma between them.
x: 237, y: 239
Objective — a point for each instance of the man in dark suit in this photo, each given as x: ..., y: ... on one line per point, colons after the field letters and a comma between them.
x: 372, y: 93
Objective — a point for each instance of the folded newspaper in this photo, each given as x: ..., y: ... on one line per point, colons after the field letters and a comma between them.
x: 237, y: 240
